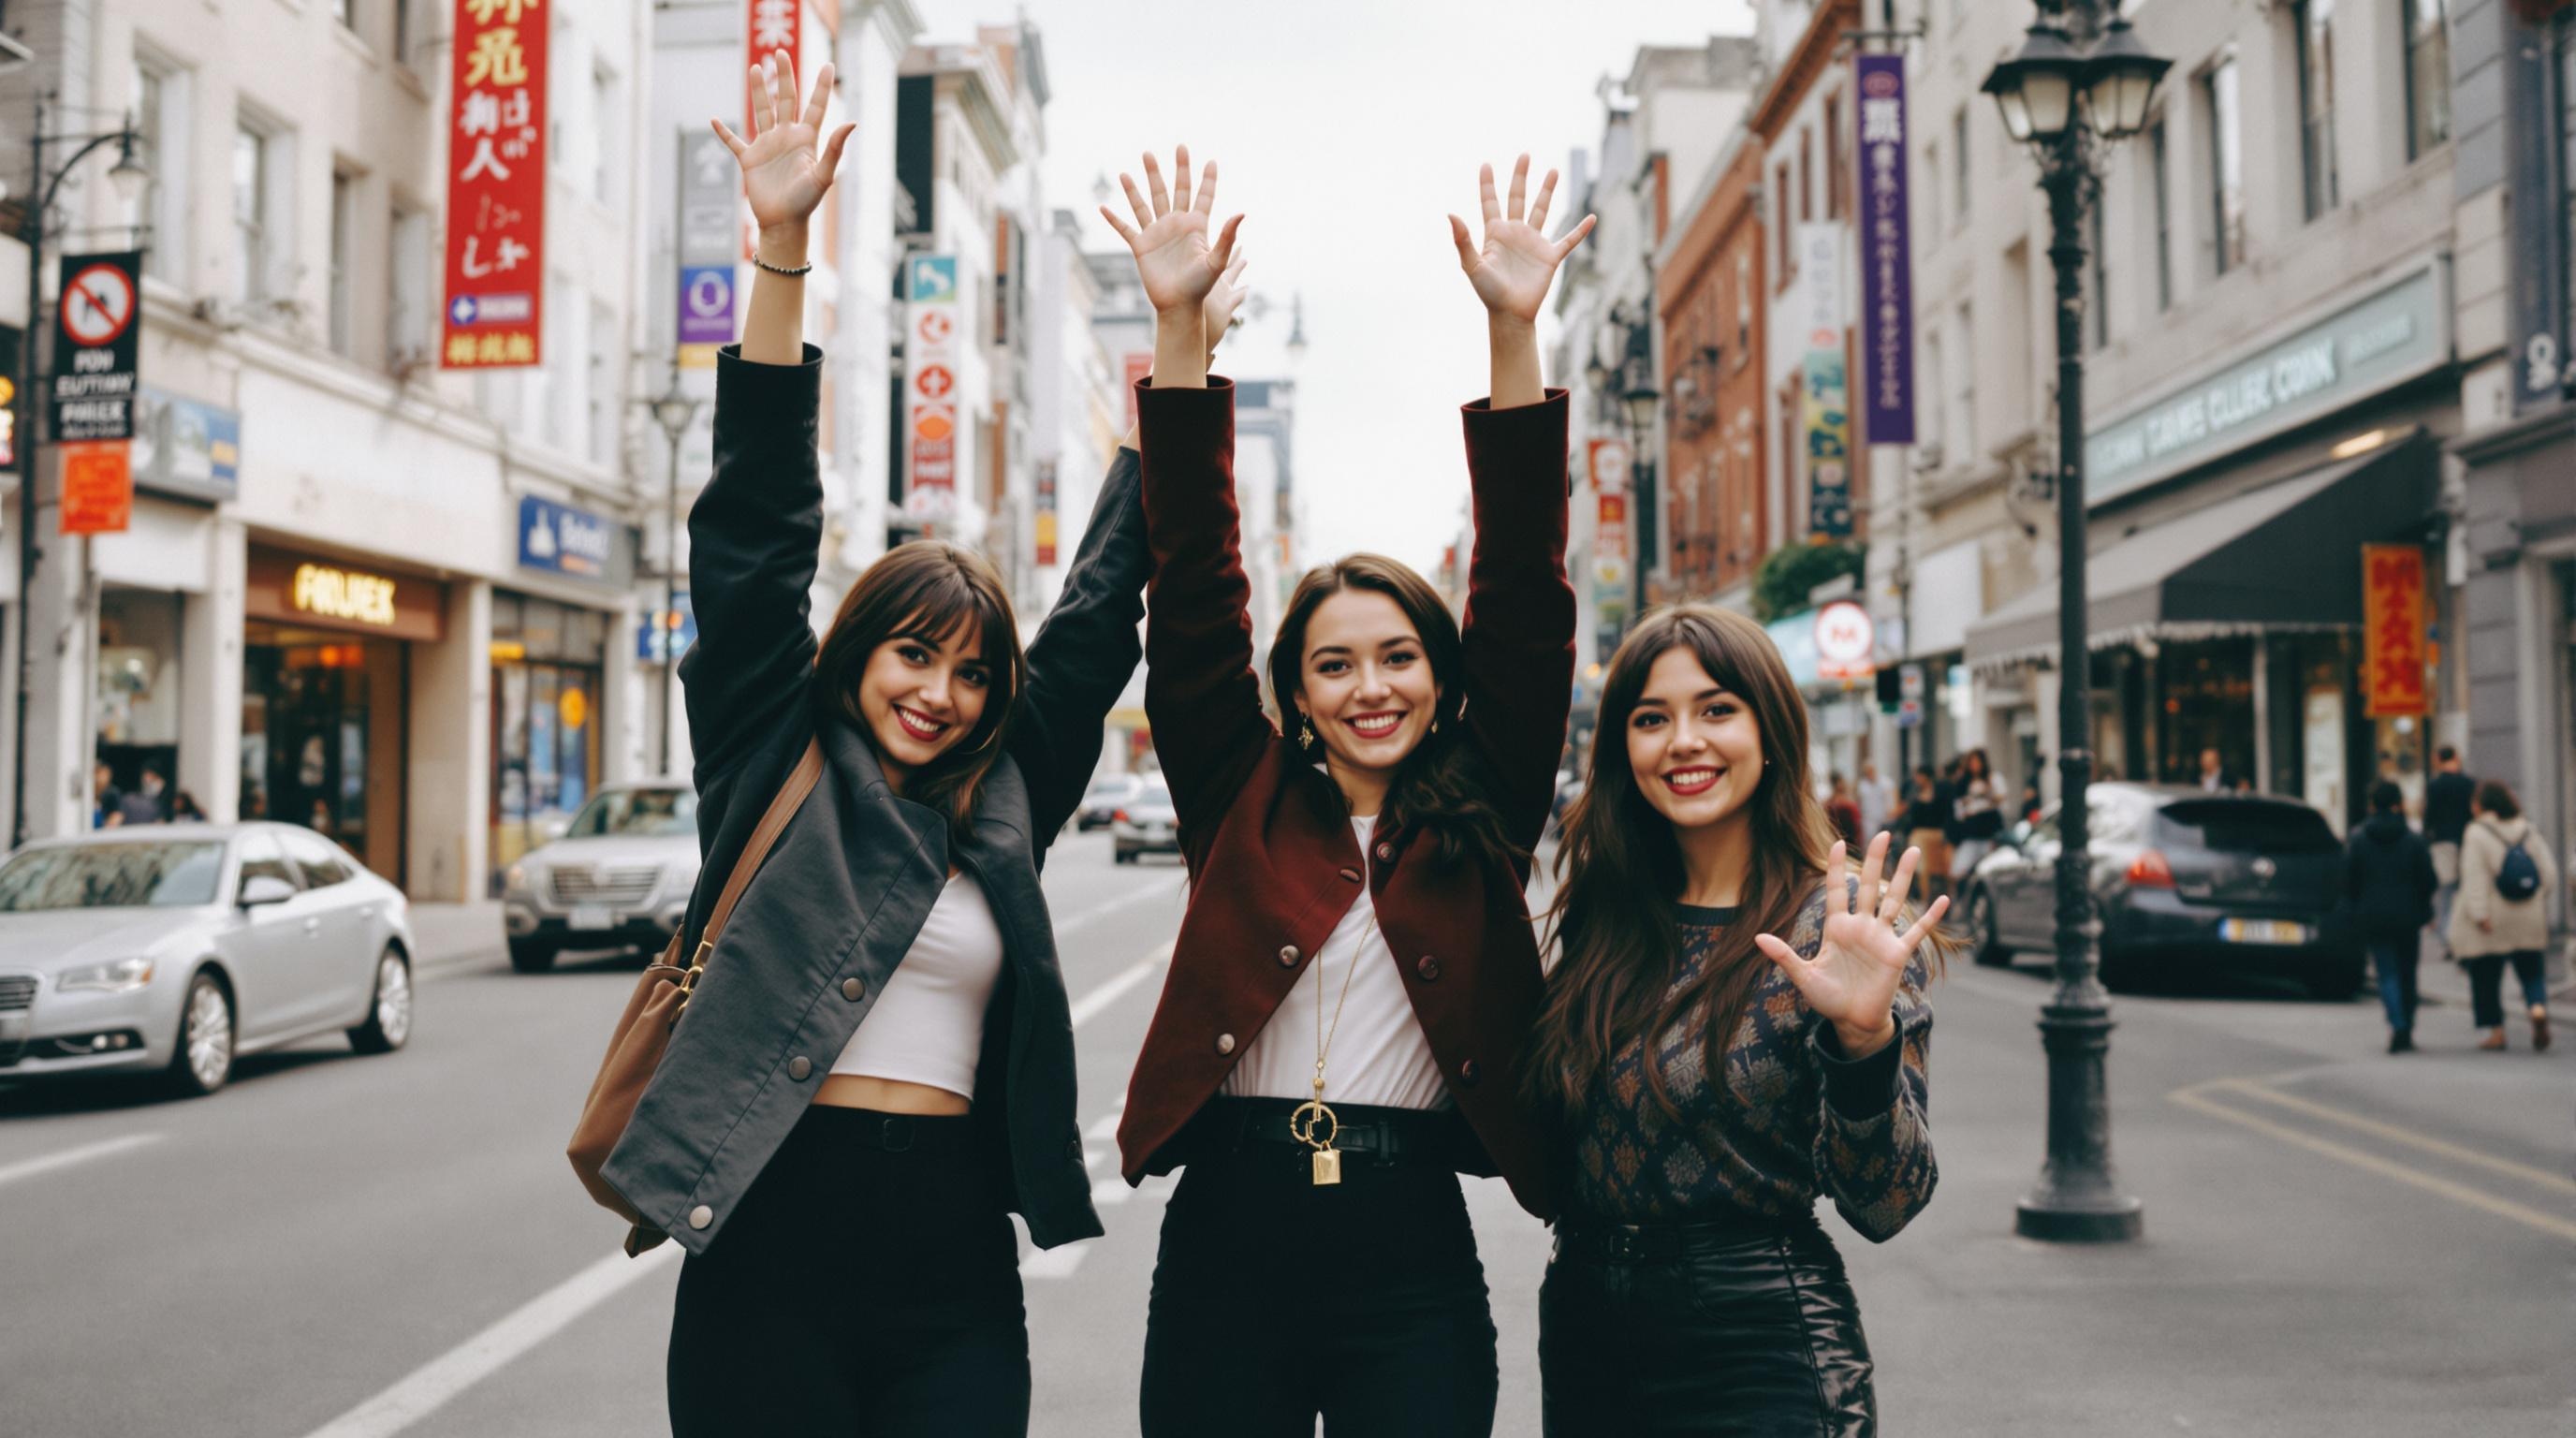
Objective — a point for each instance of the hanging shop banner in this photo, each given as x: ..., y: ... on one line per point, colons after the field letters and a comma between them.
x: 1886, y: 255
x: 708, y: 193
x: 2395, y: 685
x: 1845, y: 640
x: 496, y: 186
x: 1606, y: 461
x: 98, y: 486
x: 1610, y: 554
x: 931, y: 355
x: 185, y: 447
x: 774, y: 30
x: 1828, y: 427
x: 1046, y: 511
x: 100, y: 314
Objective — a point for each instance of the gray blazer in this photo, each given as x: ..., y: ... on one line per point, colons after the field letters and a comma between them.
x: 847, y: 887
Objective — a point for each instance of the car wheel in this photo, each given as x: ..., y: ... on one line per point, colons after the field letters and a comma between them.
x: 204, y: 1062
x: 531, y: 956
x: 388, y: 1022
x: 1989, y: 950
x: 1122, y: 856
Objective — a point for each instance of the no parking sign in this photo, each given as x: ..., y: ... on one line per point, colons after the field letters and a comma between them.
x: 96, y: 346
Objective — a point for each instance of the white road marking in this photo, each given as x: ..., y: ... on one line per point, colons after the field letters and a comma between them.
x: 29, y: 1168
x: 1110, y: 906
x: 1108, y: 1125
x: 1091, y: 1005
x: 432, y: 1384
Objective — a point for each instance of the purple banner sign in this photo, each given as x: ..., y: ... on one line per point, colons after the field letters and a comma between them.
x: 1886, y: 254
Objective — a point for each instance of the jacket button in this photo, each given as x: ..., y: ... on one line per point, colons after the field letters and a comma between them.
x: 1386, y: 853
x: 1468, y: 1073
x: 852, y: 989
x: 1351, y: 876
x: 799, y: 1067
x: 1225, y: 1043
x: 1428, y: 967
x: 701, y: 1216
x: 1288, y: 956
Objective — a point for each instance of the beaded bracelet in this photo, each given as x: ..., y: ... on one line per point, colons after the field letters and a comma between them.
x: 801, y: 270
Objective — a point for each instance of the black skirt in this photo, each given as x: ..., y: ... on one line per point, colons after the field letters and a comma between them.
x: 1742, y: 1327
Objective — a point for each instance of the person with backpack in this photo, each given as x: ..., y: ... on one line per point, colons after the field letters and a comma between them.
x: 2503, y: 913
x: 2388, y: 889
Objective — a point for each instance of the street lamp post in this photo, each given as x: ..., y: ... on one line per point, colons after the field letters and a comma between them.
x: 128, y: 175
x: 674, y: 410
x: 1637, y: 400
x: 2080, y: 83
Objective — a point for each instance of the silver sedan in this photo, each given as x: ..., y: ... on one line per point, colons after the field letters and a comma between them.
x: 177, y: 948
x: 620, y: 876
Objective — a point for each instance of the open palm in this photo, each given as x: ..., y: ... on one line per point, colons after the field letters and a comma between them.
x: 1511, y: 270
x: 1175, y: 256
x: 783, y: 174
x: 1861, y: 959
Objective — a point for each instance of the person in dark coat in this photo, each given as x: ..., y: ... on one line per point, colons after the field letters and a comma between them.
x: 2446, y: 824
x: 147, y: 804
x: 2388, y: 888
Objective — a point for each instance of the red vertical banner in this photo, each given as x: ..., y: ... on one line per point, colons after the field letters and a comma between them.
x: 776, y: 28
x: 2394, y: 681
x: 496, y: 185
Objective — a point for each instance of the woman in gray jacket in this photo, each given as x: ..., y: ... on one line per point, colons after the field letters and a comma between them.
x: 2490, y: 926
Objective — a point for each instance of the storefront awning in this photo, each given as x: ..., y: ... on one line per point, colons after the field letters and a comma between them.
x: 2283, y: 557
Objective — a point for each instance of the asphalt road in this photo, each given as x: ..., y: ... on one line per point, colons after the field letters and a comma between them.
x: 2337, y: 1242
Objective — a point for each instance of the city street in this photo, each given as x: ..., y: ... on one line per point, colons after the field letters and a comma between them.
x: 2336, y: 1242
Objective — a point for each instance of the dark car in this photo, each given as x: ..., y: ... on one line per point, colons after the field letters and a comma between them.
x: 1145, y: 823
x: 2249, y: 881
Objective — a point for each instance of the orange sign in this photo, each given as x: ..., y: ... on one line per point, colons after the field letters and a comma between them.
x: 2394, y: 658
x: 98, y: 487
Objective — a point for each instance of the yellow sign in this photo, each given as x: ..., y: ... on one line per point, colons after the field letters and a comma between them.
x: 342, y: 594
x: 8, y: 390
x: 574, y: 707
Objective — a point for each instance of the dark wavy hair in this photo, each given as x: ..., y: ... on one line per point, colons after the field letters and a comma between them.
x: 1443, y: 787
x: 929, y: 590
x: 1614, y: 923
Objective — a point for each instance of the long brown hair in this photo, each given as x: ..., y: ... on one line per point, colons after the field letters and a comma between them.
x: 1441, y: 787
x: 1620, y: 870
x: 928, y: 590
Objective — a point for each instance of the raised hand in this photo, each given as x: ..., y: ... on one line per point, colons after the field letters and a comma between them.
x: 1171, y: 235
x: 782, y: 172
x: 1513, y: 267
x: 1222, y: 301
x: 1860, y: 963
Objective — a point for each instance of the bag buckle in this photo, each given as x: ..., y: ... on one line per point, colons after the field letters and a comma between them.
x: 697, y: 966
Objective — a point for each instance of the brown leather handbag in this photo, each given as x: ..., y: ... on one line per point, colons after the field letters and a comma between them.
x: 644, y: 1030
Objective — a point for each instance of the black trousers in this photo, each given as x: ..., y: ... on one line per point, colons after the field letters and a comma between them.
x: 869, y: 1284
x: 1744, y: 1329
x: 1276, y: 1300
x: 2486, y: 984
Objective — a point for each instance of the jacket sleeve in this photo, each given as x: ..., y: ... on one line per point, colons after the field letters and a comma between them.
x: 1519, y: 624
x: 1084, y: 654
x: 1874, y: 1146
x: 754, y: 536
x: 1201, y: 694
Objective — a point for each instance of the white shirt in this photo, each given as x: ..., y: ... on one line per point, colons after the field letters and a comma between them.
x: 928, y: 1023
x: 1877, y: 800
x: 1379, y: 1054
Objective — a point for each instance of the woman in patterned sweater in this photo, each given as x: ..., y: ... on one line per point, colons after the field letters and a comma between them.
x: 1692, y: 1290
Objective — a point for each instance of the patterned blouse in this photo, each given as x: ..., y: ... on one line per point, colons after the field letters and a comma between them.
x: 1793, y: 1119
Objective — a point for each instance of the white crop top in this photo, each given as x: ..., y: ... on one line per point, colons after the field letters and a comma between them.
x: 928, y: 1023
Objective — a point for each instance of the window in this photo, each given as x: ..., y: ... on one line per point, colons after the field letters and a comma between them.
x: 2097, y: 277
x: 346, y: 12
x: 404, y: 29
x: 2428, y: 76
x: 1959, y: 167
x: 2226, y: 166
x: 2313, y: 21
x: 344, y: 226
x: 259, y: 209
x: 1780, y: 225
x: 1963, y: 409
x: 261, y: 858
x: 320, y: 859
x: 161, y: 121
x: 604, y: 129
x: 411, y: 287
x: 1806, y: 174
x: 1933, y: 384
x: 1837, y: 173
x: 604, y: 408
x: 1931, y: 187
x: 2160, y: 204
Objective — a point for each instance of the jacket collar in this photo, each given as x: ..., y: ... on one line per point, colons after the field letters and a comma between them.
x: 1001, y: 804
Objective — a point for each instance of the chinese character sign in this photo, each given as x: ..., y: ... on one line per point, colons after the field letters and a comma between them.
x: 2394, y: 683
x: 496, y: 185
x: 1886, y: 255
x: 776, y: 28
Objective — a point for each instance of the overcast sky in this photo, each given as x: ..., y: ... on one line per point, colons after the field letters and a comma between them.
x: 1344, y: 133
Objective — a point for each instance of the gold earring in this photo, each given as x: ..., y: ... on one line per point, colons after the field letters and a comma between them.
x: 1435, y: 723
x: 1305, y: 732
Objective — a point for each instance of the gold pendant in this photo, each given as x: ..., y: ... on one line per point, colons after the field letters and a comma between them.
x: 1304, y: 1124
x: 1328, y: 1166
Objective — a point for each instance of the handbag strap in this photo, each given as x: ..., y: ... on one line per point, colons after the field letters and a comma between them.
x: 791, y: 797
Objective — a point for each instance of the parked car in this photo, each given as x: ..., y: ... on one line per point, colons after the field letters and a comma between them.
x: 1146, y: 823
x: 177, y: 948
x: 1100, y: 802
x: 619, y: 876
x: 2250, y: 881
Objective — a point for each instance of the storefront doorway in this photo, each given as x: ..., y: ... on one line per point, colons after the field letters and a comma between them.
x: 547, y: 666
x: 322, y: 736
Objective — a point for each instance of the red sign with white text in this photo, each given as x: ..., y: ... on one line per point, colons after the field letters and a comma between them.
x: 496, y: 186
x: 776, y: 28
x: 2395, y: 684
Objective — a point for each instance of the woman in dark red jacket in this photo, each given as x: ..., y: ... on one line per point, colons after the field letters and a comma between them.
x: 1352, y: 986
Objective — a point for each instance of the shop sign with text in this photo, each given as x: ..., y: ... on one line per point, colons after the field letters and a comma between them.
x: 496, y: 185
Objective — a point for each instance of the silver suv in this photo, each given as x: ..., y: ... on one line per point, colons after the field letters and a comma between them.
x: 619, y: 876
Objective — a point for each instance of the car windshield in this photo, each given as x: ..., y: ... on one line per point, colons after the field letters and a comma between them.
x: 1154, y: 791
x: 637, y: 811
x: 2240, y: 826
x: 111, y: 876
x: 1104, y: 788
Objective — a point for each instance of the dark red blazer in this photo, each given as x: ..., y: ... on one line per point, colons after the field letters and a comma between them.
x: 1272, y: 872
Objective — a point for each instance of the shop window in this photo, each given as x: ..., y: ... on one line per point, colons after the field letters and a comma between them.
x: 137, y: 695
x: 547, y: 663
x: 2428, y: 75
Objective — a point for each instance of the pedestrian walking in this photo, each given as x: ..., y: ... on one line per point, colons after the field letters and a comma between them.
x: 2502, y: 916
x: 1737, y: 1027
x: 1926, y: 824
x: 2388, y: 888
x: 1843, y: 811
x: 2447, y: 797
x: 106, y: 799
x: 876, y: 1066
x: 1877, y: 800
x: 145, y: 803
x: 1356, y: 973
x: 1979, y: 810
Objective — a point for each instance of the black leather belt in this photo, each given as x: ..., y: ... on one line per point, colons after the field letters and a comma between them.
x: 1667, y: 1242
x: 893, y: 1132
x: 1370, y: 1135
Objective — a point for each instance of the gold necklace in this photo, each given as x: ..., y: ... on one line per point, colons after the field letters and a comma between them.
x: 1312, y: 1114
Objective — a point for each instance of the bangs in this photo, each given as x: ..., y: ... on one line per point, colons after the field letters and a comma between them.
x: 940, y: 605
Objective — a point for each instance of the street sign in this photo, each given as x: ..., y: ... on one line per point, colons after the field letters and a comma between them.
x: 930, y: 360
x: 1845, y: 639
x: 98, y: 487
x: 94, y: 376
x: 935, y: 382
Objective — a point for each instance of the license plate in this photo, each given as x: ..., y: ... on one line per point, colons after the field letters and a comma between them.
x: 2262, y: 931
x: 591, y: 916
